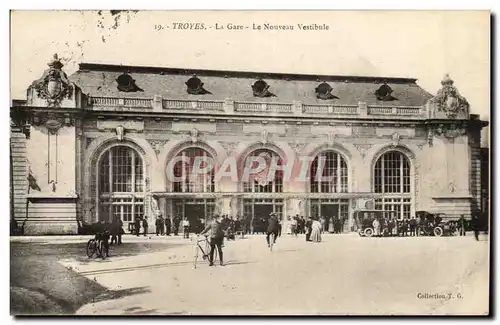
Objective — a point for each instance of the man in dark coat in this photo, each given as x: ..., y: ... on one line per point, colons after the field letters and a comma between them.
x: 145, y: 226
x: 272, y: 228
x: 159, y: 225
x: 413, y: 226
x: 216, y: 238
x: 475, y: 224
x: 177, y: 222
x: 116, y: 231
x: 137, y: 225
x: 308, y: 229
x: 168, y: 225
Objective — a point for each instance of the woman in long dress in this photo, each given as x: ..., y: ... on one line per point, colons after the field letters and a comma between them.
x: 316, y: 231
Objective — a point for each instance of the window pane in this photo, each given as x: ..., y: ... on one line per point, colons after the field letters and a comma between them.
x: 333, y: 169
x: 190, y: 179
x: 274, y: 186
x: 126, y: 169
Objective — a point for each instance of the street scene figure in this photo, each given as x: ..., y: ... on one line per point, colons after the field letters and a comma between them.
x: 316, y: 230
x: 185, y: 226
x: 216, y: 234
x: 145, y: 226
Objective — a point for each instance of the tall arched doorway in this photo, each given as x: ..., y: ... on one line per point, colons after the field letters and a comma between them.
x: 333, y: 168
x: 391, y: 177
x: 121, y: 185
x: 193, y: 201
x: 261, y: 188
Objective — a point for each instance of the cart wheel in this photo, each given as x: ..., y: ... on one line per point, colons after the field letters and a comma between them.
x: 368, y: 232
x: 438, y: 231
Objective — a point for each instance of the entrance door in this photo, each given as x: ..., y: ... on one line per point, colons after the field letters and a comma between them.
x: 261, y: 214
x: 194, y: 213
x: 331, y: 213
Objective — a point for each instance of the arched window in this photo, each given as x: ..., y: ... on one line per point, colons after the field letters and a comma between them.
x: 187, y: 178
x: 261, y: 182
x: 334, y: 173
x: 392, y: 178
x: 121, y: 184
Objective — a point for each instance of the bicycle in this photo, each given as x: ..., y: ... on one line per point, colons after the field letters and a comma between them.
x: 96, y: 244
x: 205, y: 251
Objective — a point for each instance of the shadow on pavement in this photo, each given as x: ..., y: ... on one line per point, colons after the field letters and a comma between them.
x: 117, y: 294
x: 40, y: 285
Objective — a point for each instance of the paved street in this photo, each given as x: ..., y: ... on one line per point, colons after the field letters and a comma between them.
x: 345, y: 274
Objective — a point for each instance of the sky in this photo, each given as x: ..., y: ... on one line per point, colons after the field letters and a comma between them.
x: 419, y: 44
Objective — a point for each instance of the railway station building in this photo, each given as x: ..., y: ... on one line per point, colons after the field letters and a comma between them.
x: 119, y: 141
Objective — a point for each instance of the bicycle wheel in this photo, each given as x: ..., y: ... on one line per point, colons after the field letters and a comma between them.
x: 271, y: 241
x: 91, y: 248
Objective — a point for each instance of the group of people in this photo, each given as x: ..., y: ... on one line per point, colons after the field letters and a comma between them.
x: 165, y: 226
x: 298, y: 224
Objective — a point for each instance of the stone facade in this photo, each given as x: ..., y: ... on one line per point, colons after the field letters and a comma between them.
x: 61, y: 133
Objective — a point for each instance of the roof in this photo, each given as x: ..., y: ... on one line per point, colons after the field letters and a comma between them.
x: 100, y: 80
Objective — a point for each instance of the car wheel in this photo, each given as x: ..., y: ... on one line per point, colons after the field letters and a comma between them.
x: 368, y: 232
x: 438, y: 231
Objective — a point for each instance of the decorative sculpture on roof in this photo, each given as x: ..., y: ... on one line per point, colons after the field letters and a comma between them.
x: 54, y: 85
x: 384, y: 93
x: 331, y: 138
x: 448, y: 100
x: 127, y: 84
x: 261, y: 89
x: 324, y: 92
x: 395, y: 139
x: 120, y: 132
x: 194, y: 135
x: 264, y: 137
x: 195, y: 87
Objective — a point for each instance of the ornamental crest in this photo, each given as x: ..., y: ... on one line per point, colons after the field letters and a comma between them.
x: 54, y: 85
x: 448, y: 99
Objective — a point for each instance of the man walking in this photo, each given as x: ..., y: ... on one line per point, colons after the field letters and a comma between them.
x: 475, y: 225
x: 272, y: 228
x: 216, y: 238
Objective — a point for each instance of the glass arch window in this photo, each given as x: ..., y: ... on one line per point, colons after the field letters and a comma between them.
x: 392, y: 178
x: 121, y: 184
x: 333, y: 168
x: 188, y: 181
x: 259, y: 182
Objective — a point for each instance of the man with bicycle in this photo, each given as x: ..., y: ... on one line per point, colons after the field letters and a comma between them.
x: 216, y: 238
x: 272, y: 228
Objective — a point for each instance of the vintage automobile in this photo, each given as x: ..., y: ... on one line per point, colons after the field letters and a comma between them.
x: 364, y: 222
x: 432, y: 224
